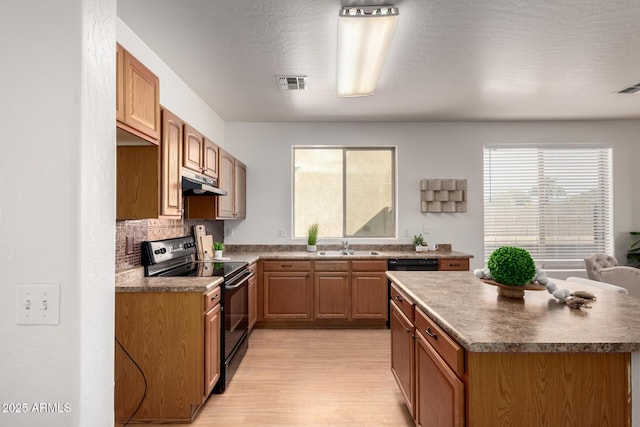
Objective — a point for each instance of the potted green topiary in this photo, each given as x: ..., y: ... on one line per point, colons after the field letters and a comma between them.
x: 312, y: 237
x: 418, y: 242
x: 512, y: 268
x: 218, y: 247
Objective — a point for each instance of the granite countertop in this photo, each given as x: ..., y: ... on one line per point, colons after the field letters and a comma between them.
x: 482, y: 321
x: 133, y: 280
x: 315, y: 256
x: 169, y: 284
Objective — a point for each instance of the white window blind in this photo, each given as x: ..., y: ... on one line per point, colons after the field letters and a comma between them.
x: 554, y: 202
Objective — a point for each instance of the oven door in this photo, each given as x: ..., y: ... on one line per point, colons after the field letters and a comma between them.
x: 236, y: 312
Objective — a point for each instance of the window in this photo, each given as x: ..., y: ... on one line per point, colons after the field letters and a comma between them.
x: 554, y: 202
x: 348, y: 191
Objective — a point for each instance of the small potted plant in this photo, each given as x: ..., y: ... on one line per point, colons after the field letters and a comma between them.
x: 312, y: 237
x: 218, y: 247
x: 418, y: 242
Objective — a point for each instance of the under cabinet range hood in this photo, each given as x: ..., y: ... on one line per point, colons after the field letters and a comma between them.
x: 194, y: 184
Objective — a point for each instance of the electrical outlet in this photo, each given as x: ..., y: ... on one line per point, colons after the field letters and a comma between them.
x: 406, y: 232
x: 128, y: 242
x: 37, y: 304
x: 425, y: 229
x: 281, y: 233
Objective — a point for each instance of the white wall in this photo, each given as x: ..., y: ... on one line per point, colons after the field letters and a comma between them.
x: 425, y: 150
x: 57, y: 207
x: 175, y: 95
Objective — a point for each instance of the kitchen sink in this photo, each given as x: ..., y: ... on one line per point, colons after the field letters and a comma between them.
x: 347, y: 253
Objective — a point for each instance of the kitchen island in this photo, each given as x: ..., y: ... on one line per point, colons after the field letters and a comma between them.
x: 502, y: 361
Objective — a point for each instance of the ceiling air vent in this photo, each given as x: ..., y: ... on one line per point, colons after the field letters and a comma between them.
x: 631, y: 89
x: 292, y: 82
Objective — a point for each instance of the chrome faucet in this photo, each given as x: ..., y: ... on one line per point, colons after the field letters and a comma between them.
x: 345, y: 246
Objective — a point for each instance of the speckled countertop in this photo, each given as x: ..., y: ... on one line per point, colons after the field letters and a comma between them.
x: 315, y: 256
x: 482, y: 321
x: 169, y: 284
x: 133, y: 280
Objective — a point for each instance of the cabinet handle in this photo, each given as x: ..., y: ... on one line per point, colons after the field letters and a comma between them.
x: 454, y: 265
x: 286, y: 265
x: 399, y: 298
x: 431, y: 334
x: 214, y: 297
x: 408, y: 330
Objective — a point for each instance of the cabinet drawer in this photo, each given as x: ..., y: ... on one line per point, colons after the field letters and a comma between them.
x: 287, y: 266
x: 453, y: 264
x: 211, y: 298
x: 331, y: 265
x: 369, y: 265
x: 253, y: 268
x: 405, y: 304
x: 445, y: 346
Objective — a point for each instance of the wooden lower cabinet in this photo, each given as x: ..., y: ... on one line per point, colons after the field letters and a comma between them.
x: 403, y: 355
x: 453, y: 264
x: 331, y: 290
x: 323, y: 293
x: 445, y: 385
x: 551, y: 389
x: 369, y: 295
x: 253, y: 296
x: 287, y: 290
x: 439, y: 394
x: 331, y: 295
x: 174, y: 338
x: 212, y: 324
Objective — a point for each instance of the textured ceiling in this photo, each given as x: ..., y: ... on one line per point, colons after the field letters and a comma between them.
x: 448, y: 60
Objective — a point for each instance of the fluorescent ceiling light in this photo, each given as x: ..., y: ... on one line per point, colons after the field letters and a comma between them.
x: 364, y: 34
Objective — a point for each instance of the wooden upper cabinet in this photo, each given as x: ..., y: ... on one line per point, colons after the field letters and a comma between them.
x: 199, y: 154
x: 225, y: 209
x: 138, y: 97
x: 192, y: 152
x: 171, y: 162
x: 137, y: 182
x: 233, y: 180
x: 209, y: 158
x: 119, y: 85
x: 240, y: 190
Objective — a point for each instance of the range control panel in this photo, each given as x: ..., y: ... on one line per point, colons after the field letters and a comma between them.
x: 167, y: 250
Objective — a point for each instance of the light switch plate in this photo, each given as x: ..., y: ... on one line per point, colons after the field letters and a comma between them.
x: 37, y: 304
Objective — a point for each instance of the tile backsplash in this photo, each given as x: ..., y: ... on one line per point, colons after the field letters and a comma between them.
x: 138, y: 231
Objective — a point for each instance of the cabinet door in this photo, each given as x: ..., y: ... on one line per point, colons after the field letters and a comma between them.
x: 331, y: 295
x: 137, y: 182
x: 212, y: 349
x: 240, y: 190
x: 210, y: 159
x: 369, y: 296
x: 439, y: 392
x: 192, y: 150
x: 225, y: 205
x: 141, y: 94
x: 287, y: 295
x: 171, y: 149
x: 119, y: 83
x: 253, y: 301
x: 403, y: 355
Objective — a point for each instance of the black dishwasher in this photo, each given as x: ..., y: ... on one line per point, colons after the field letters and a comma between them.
x: 412, y: 264
x: 407, y: 264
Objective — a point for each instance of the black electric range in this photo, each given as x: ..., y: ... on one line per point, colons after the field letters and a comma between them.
x: 176, y: 258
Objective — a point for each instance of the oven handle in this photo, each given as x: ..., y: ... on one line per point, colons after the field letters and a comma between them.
x: 239, y: 283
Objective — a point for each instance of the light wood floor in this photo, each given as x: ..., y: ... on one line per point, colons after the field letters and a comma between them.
x: 311, y: 378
